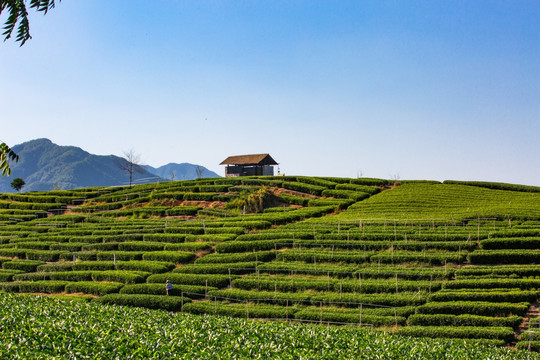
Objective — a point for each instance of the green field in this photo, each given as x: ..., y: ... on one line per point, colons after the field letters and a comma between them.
x: 367, y: 260
x: 42, y: 328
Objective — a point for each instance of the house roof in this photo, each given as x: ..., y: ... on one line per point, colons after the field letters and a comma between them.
x: 254, y: 159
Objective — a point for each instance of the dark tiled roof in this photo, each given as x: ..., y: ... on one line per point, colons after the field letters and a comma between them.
x: 254, y: 159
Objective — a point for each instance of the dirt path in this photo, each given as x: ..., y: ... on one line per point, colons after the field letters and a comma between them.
x: 533, y: 312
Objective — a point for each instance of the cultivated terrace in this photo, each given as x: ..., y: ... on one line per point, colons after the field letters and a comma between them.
x: 458, y: 260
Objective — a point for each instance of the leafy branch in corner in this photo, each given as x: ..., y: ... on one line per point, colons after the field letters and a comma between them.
x: 18, y: 14
x: 6, y: 155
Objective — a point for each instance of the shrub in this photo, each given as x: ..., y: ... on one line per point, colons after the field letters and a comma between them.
x: 47, y: 287
x: 168, y: 238
x: 526, y: 345
x: 234, y: 258
x: 496, y: 185
x: 259, y: 245
x: 348, y: 300
x: 107, y: 246
x: 44, y: 255
x: 79, y: 255
x: 463, y: 320
x: 12, y: 286
x: 499, y: 271
x: 189, y: 246
x: 34, y: 276
x: 154, y: 267
x: 511, y: 243
x: 218, y: 281
x: 274, y: 235
x: 82, y: 275
x: 294, y: 200
x: 11, y: 253
x: 159, y: 289
x: 200, y: 196
x: 125, y: 236
x: 316, y: 256
x: 346, y: 194
x: 121, y: 276
x: 239, y: 310
x: 53, y: 267
x: 24, y: 265
x: 481, y: 308
x: 250, y: 224
x: 140, y: 246
x: 184, y: 230
x: 93, y: 265
x: 304, y: 188
x: 491, y: 296
x: 88, y: 239
x: 493, y: 284
x: 120, y: 255
x: 175, y: 257
x: 34, y: 245
x: 7, y: 275
x: 228, y: 230
x: 463, y: 332
x: 372, y: 190
x: 169, y: 303
x: 93, y: 288
x: 183, y: 211
x: 69, y: 246
x: 336, y: 204
x: 505, y: 257
x: 210, y: 237
x: 429, y: 258
x: 292, y: 284
x: 348, y: 316
x: 371, y: 181
x: 234, y: 268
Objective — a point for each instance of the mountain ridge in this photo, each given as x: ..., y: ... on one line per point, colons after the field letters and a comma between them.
x: 44, y: 165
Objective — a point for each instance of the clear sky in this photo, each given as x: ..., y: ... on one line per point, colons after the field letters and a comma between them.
x: 410, y: 89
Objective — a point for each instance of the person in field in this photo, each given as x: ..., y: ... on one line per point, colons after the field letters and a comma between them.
x: 168, y: 287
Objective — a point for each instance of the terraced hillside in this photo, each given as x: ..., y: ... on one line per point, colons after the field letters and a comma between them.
x: 421, y: 259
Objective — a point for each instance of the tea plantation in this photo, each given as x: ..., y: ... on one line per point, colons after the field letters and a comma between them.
x: 344, y: 268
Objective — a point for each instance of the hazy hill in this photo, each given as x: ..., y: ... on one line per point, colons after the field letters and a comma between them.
x: 183, y: 171
x: 44, y: 165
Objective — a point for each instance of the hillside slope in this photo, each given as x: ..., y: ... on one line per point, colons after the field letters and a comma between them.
x: 422, y: 259
x: 447, y: 201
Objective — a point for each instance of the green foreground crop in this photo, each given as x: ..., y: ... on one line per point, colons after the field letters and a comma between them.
x: 36, y: 327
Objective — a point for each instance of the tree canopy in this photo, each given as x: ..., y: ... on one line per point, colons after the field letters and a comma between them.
x: 18, y: 14
x: 17, y: 184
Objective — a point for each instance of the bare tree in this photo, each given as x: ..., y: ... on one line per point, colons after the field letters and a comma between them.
x: 131, y: 164
x: 173, y: 175
x: 199, y: 171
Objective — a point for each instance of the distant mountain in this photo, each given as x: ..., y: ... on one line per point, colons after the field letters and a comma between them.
x: 44, y: 165
x: 183, y: 171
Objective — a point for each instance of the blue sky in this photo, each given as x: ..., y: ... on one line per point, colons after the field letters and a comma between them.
x: 409, y: 89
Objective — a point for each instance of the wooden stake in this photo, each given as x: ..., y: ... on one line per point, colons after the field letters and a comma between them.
x: 328, y: 281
